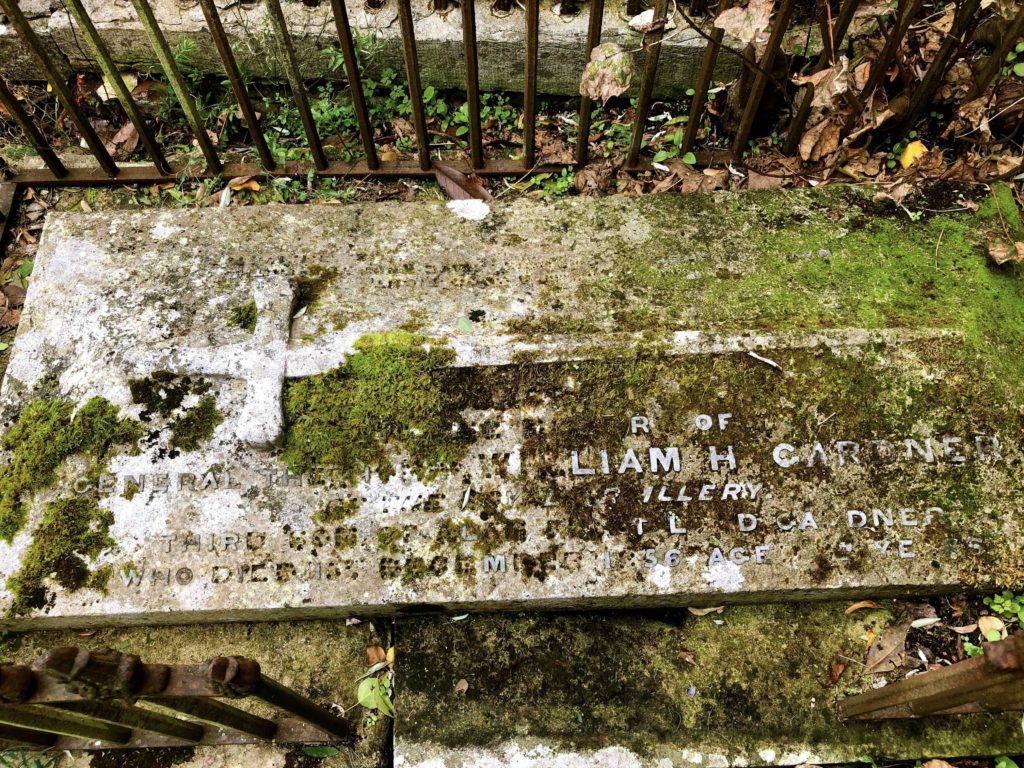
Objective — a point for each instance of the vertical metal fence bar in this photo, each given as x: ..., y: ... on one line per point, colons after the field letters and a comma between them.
x: 839, y: 29
x: 277, y: 20
x: 476, y: 140
x: 60, y: 87
x: 932, y: 79
x: 761, y: 79
x: 995, y: 62
x: 227, y: 58
x: 906, y: 10
x: 412, y: 73
x: 700, y: 90
x: 113, y: 76
x: 652, y: 51
x: 173, y: 74
x: 355, y: 82
x: 530, y: 84
x: 32, y: 133
x: 595, y: 24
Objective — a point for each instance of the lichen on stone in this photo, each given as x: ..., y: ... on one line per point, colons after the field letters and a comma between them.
x: 394, y: 390
x: 244, y: 316
x: 196, y: 425
x: 47, y: 432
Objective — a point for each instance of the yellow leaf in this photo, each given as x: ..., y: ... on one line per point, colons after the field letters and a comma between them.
x: 391, y: 655
x: 912, y: 153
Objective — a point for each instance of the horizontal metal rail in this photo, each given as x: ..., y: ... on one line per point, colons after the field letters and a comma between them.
x: 758, y: 75
x: 993, y: 682
x: 78, y: 699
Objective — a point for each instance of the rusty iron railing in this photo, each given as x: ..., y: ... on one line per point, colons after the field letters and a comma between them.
x: 992, y: 682
x: 754, y: 84
x: 74, y: 698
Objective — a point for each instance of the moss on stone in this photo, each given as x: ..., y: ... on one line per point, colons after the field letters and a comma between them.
x: 244, y: 316
x: 47, y: 432
x: 72, y: 532
x: 162, y: 392
x: 388, y: 539
x: 394, y: 390
x: 196, y: 425
x: 731, y: 684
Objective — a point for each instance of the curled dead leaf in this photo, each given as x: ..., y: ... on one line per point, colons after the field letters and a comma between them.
x: 608, y: 74
x: 247, y: 183
x: 706, y: 611
x: 992, y: 628
x: 966, y: 629
x: 461, y: 687
x: 1003, y: 252
x: 375, y: 655
x: 861, y: 605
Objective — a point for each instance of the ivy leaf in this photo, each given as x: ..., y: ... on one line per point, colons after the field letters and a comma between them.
x: 384, y: 701
x: 689, y: 158
x: 368, y: 693
x: 608, y: 73
x: 25, y: 270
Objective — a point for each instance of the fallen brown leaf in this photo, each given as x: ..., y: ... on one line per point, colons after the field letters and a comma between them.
x: 1002, y: 252
x: 608, y: 73
x: 860, y: 605
x: 886, y: 653
x: 966, y: 629
x: 246, y: 183
x: 747, y: 24
x: 819, y: 140
x: 461, y: 687
x: 375, y: 655
x: 706, y: 611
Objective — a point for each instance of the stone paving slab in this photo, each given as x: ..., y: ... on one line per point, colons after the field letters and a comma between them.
x: 746, y: 687
x: 311, y: 411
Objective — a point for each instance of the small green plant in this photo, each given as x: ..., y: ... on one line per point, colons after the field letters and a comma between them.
x: 892, y: 157
x: 17, y: 758
x: 1007, y: 604
x: 1015, y: 61
x: 1005, y: 762
x: 376, y: 685
x: 972, y: 650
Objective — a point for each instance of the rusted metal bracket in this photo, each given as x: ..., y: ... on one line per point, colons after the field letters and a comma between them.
x: 993, y: 682
x: 75, y: 698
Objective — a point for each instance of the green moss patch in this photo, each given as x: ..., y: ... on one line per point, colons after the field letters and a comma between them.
x: 47, y: 432
x: 244, y: 316
x: 396, y: 391
x: 73, y: 531
x: 196, y: 425
x: 734, y: 683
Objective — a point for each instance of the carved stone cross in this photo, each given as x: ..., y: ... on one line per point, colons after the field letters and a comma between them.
x: 261, y: 362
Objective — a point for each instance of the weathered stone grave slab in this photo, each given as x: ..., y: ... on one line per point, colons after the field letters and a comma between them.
x: 287, y: 412
x: 658, y: 691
